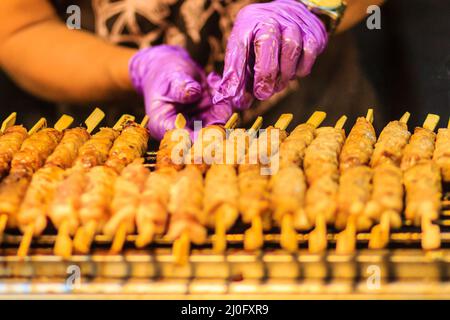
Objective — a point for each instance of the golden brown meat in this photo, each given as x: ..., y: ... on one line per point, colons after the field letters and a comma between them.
x: 390, y: 144
x: 441, y: 154
x: 292, y: 150
x: 221, y: 194
x: 10, y: 143
x: 129, y: 146
x: 358, y: 147
x: 288, y: 188
x: 66, y: 152
x: 12, y: 191
x: 321, y: 167
x: 186, y: 206
x: 419, y: 149
x: 354, y: 192
x: 98, y: 195
x: 66, y: 202
x: 423, y: 192
x: 95, y: 151
x: 38, y: 198
x: 34, y: 151
x: 387, y: 194
x: 127, y: 191
x: 176, y: 140
x: 153, y: 210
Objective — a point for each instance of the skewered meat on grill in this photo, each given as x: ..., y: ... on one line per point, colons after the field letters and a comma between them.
x: 127, y: 191
x: 387, y: 194
x: 130, y: 145
x: 292, y: 150
x: 34, y: 151
x: 420, y: 148
x: 186, y: 205
x: 66, y: 152
x: 153, y: 210
x: 176, y: 140
x: 35, y: 205
x: 288, y: 188
x: 358, y: 147
x: 95, y: 151
x: 98, y: 195
x: 423, y: 192
x: 441, y: 154
x: 354, y: 193
x: 321, y: 167
x: 10, y: 143
x: 221, y: 194
x: 12, y: 190
x: 390, y: 144
x: 202, y: 153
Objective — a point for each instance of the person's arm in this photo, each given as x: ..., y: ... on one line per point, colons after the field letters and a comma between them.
x: 46, y: 58
x: 356, y: 11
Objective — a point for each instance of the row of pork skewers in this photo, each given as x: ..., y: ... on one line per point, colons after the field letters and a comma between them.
x: 87, y: 184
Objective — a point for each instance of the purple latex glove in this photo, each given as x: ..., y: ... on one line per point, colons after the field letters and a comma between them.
x: 173, y: 83
x: 270, y: 44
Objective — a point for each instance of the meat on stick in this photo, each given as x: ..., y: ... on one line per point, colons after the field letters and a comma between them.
x: 441, y: 155
x: 127, y: 190
x: 388, y: 151
x: 332, y: 140
x: 95, y: 202
x: 33, y: 151
x: 34, y: 210
x: 221, y: 200
x: 188, y: 219
x: 288, y: 185
x: 152, y: 213
x: 387, y: 197
x: 255, y: 186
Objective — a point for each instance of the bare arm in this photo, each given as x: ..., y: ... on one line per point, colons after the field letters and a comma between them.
x: 51, y: 61
x: 356, y: 11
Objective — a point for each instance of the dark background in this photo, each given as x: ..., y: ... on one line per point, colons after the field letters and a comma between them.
x: 407, y: 63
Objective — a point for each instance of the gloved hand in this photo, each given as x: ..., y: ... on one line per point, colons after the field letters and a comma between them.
x: 173, y: 83
x: 270, y: 44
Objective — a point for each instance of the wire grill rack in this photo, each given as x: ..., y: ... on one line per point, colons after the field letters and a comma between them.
x: 401, y: 270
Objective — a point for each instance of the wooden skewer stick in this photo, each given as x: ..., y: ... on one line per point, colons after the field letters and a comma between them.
x: 369, y: 115
x: 346, y: 240
x: 431, y: 122
x: 254, y: 236
x: 341, y: 122
x: 121, y: 233
x: 85, y: 235
x: 63, y: 123
x: 318, y: 237
x: 9, y: 122
x: 405, y: 117
x: 288, y: 239
x: 63, y: 243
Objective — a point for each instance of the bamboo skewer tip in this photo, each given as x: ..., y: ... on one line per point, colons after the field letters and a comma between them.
x: 25, y: 242
x: 180, y: 121
x: 232, y: 122
x: 40, y: 124
x: 94, y: 119
x: 284, y: 121
x: 405, y: 117
x: 369, y: 115
x: 341, y: 122
x: 181, y: 248
x: 119, y: 239
x: 431, y: 122
x: 122, y: 121
x: 9, y: 121
x: 256, y: 125
x: 288, y: 239
x: 317, y: 118
x: 63, y: 244
x: 63, y: 123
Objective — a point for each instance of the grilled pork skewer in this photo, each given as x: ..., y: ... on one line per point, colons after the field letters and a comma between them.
x: 288, y: 185
x: 321, y: 167
x: 355, y: 182
x: 32, y: 216
x: 322, y: 156
x: 188, y: 221
x: 441, y: 155
x: 254, y: 198
x: 10, y: 143
x: 95, y: 209
x: 152, y: 213
x: 32, y: 154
